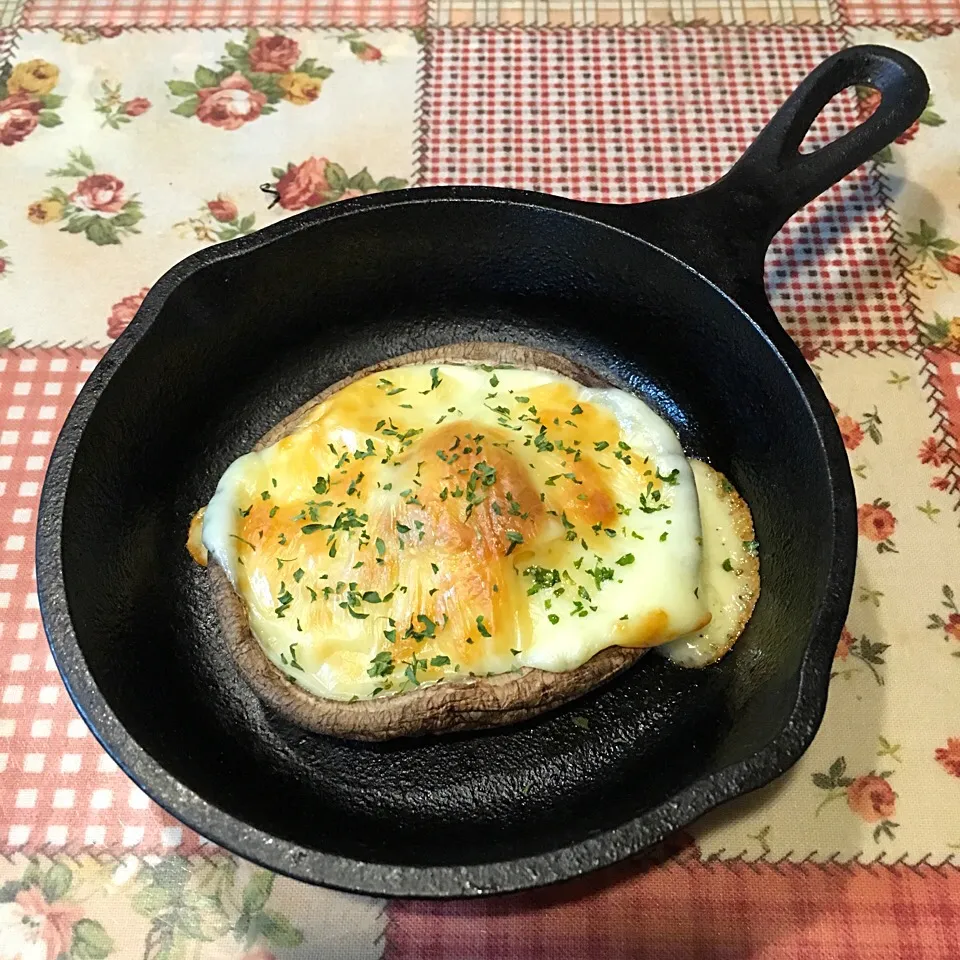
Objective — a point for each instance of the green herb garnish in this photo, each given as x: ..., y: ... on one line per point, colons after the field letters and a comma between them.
x: 381, y: 665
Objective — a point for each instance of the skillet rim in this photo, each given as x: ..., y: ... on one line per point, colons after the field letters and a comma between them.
x: 629, y: 838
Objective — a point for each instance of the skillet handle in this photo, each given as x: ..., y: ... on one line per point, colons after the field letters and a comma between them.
x: 776, y: 179
x: 724, y: 230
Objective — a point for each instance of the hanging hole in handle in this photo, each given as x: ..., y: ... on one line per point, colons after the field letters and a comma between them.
x: 868, y: 99
x: 848, y: 108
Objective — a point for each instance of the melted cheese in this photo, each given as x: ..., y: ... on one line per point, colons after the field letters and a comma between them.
x: 728, y: 572
x: 425, y: 524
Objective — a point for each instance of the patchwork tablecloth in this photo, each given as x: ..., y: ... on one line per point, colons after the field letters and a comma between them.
x: 134, y: 132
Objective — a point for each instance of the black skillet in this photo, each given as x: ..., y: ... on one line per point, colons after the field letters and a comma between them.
x: 237, y: 336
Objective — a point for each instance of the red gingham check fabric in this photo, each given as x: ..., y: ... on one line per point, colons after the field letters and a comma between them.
x: 622, y: 116
x: 687, y: 909
x: 58, y: 789
x: 223, y: 13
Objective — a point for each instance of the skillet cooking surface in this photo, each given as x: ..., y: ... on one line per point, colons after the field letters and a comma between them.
x: 188, y: 399
x: 238, y: 336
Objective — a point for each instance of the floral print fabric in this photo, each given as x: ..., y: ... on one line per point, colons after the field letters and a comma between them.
x: 203, y: 908
x: 141, y: 143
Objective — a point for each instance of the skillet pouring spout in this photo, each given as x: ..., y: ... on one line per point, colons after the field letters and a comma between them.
x: 669, y: 305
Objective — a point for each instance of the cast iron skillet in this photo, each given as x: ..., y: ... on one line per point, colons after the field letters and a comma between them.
x: 665, y: 298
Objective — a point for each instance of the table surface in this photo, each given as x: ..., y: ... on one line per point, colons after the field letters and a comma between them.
x: 135, y: 132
